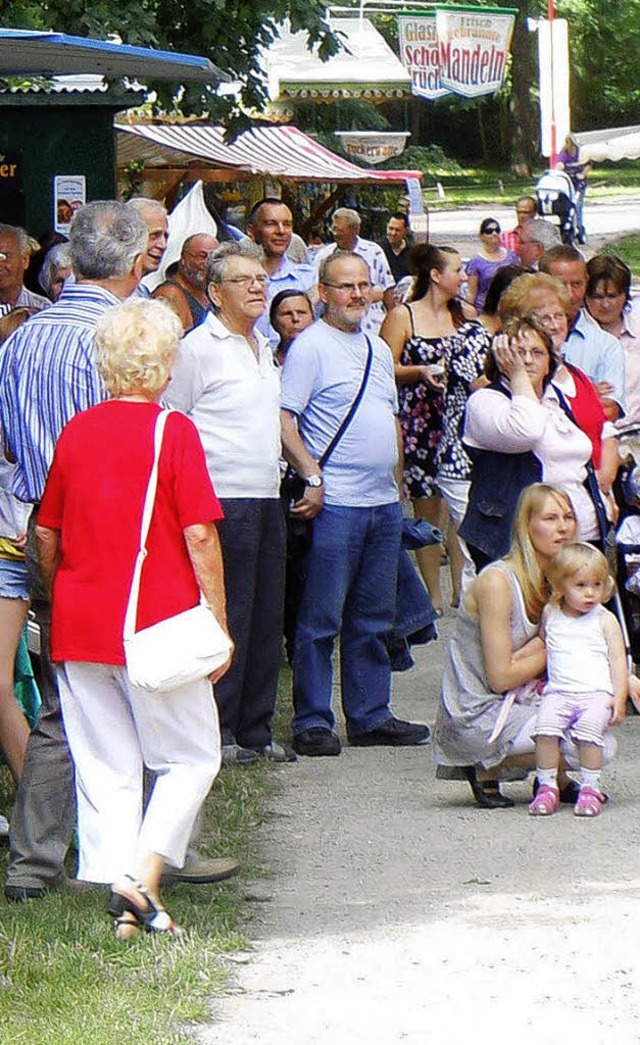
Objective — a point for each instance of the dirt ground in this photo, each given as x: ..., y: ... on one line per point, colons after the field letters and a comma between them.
x: 398, y: 913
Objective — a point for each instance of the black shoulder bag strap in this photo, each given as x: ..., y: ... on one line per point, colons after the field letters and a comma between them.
x: 348, y: 418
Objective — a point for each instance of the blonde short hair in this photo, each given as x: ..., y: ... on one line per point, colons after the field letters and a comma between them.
x: 572, y: 557
x: 136, y: 346
x: 517, y: 298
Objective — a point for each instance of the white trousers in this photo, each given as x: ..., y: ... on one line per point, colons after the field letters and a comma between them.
x: 114, y: 730
x: 456, y: 494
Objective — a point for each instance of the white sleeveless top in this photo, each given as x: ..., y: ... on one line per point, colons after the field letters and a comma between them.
x: 577, y: 652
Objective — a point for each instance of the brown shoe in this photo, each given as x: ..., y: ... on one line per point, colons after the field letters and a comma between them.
x: 201, y: 871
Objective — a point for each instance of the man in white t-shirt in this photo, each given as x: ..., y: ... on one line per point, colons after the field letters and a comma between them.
x: 345, y: 228
x: 351, y: 567
x: 225, y: 379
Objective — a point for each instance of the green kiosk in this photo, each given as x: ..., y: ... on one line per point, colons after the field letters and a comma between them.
x: 57, y: 143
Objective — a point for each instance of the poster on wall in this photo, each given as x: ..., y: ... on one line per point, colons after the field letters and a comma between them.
x: 420, y: 54
x: 69, y: 193
x: 457, y: 50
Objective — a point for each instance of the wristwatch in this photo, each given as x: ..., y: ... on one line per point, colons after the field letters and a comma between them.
x: 314, y: 481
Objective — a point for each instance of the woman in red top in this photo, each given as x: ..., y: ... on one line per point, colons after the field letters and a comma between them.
x: 88, y: 537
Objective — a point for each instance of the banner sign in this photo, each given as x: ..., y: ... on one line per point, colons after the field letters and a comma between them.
x: 420, y: 54
x: 555, y: 114
x: 473, y: 50
x: 458, y: 50
x: 373, y: 146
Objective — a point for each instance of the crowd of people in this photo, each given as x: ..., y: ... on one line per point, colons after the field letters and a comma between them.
x: 486, y: 397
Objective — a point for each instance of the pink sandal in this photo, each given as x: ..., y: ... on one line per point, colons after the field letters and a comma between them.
x: 546, y: 802
x: 590, y: 802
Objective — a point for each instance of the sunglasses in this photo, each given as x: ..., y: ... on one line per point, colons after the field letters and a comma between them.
x: 492, y: 228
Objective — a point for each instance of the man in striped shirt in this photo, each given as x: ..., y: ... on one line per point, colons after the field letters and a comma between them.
x: 47, y: 375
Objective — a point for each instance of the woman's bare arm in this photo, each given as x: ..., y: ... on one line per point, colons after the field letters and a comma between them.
x: 203, y: 545
x: 493, y: 604
x: 49, y: 551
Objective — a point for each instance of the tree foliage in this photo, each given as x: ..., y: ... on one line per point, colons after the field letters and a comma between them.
x: 229, y: 32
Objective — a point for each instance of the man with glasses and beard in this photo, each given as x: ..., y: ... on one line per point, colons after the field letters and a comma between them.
x: 351, y: 567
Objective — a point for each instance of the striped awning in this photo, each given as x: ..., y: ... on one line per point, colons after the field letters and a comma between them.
x: 283, y: 152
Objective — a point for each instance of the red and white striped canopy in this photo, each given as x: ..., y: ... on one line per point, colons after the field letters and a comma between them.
x: 280, y: 151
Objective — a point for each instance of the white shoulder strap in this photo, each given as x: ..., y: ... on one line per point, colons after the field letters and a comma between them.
x: 149, y: 501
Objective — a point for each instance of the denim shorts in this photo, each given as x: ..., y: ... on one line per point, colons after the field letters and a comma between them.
x: 13, y: 579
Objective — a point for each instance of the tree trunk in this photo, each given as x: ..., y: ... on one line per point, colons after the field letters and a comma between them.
x: 523, y: 110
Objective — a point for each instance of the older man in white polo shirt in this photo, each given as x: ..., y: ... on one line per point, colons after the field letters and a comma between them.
x: 226, y: 381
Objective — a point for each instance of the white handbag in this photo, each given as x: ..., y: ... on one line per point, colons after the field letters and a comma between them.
x: 180, y: 649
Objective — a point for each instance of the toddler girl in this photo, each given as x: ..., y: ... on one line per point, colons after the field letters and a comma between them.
x: 586, y: 687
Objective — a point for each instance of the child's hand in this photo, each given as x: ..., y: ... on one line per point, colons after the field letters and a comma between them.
x: 634, y: 691
x: 530, y: 648
x: 619, y: 711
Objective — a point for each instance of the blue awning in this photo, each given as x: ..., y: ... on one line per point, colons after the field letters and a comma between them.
x: 27, y: 52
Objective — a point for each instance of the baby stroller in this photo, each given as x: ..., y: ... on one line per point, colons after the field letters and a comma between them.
x: 556, y: 198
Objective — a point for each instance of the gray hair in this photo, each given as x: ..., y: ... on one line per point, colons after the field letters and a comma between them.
x: 350, y: 216
x: 338, y: 255
x: 144, y: 203
x: 106, y: 237
x: 59, y: 257
x: 20, y: 236
x: 219, y: 258
x: 541, y: 232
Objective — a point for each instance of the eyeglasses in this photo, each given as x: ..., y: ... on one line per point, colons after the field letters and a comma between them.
x: 350, y: 288
x: 246, y: 281
x: 491, y: 231
x: 535, y: 353
x: 550, y: 317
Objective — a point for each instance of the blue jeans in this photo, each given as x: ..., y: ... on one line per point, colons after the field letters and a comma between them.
x: 349, y: 591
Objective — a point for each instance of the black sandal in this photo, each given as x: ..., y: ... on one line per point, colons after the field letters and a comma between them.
x: 487, y: 793
x: 151, y: 918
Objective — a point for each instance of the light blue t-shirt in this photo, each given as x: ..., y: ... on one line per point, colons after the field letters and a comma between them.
x: 322, y: 373
x: 598, y: 354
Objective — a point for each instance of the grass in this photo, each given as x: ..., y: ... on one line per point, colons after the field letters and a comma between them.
x: 482, y: 187
x: 64, y: 979
x: 628, y: 248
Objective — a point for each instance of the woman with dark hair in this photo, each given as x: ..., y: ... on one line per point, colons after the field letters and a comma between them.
x: 608, y: 301
x: 504, y: 277
x: 290, y: 313
x: 418, y: 333
x: 482, y: 267
x: 520, y: 431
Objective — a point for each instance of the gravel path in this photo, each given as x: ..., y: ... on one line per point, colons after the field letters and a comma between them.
x: 400, y: 913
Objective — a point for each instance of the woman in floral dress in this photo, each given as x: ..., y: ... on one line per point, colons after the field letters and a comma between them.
x: 418, y: 333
